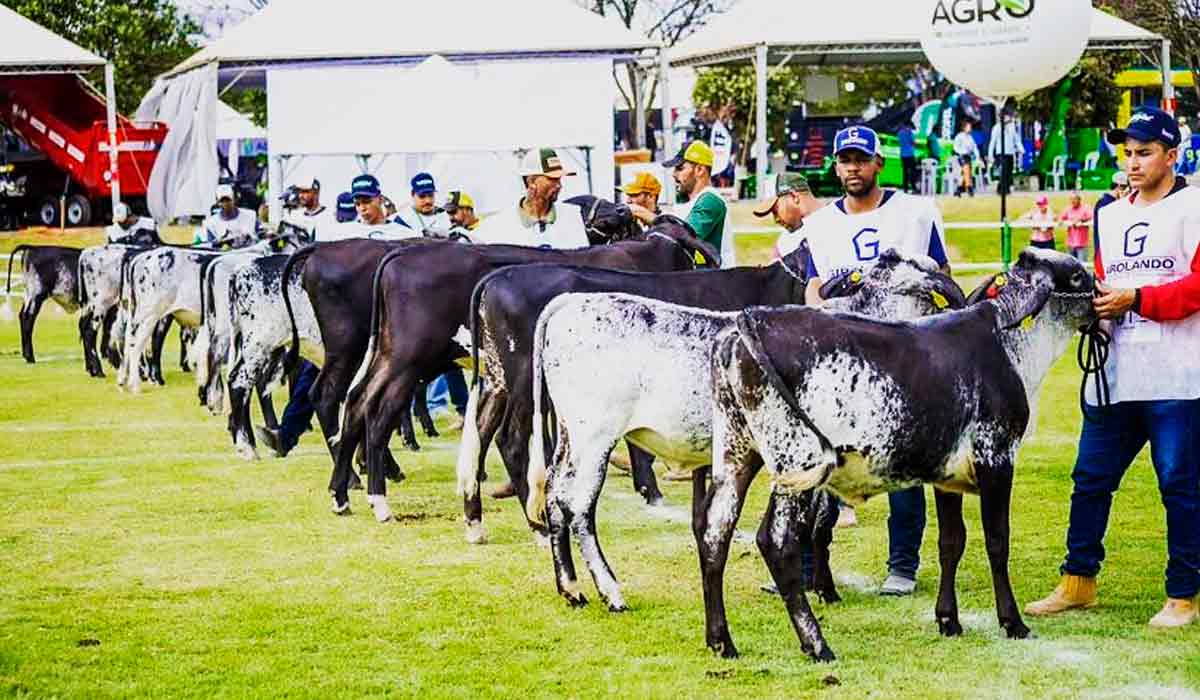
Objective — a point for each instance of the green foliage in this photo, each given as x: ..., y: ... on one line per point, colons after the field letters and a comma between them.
x: 729, y: 91
x: 252, y: 102
x: 1095, y: 97
x: 142, y: 38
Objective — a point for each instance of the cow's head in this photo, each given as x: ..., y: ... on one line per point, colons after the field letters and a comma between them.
x: 605, y: 221
x: 896, y: 288
x: 1043, y: 282
x: 669, y: 226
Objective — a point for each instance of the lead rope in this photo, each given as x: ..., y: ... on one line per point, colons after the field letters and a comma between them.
x: 1092, y: 355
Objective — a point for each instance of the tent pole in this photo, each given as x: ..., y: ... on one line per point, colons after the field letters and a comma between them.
x: 668, y: 121
x: 760, y: 118
x: 274, y: 187
x: 587, y: 158
x: 1168, y: 88
x: 110, y: 99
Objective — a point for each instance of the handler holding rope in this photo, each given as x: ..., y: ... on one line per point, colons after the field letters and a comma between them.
x: 1148, y: 254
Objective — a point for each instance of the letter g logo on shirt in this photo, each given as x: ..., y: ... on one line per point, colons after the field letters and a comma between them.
x: 1138, y: 241
x: 866, y: 244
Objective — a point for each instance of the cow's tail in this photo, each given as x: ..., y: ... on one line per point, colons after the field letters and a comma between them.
x: 82, y: 297
x: 292, y: 358
x: 476, y: 300
x: 539, y: 469
x: 795, y: 481
x: 21, y: 251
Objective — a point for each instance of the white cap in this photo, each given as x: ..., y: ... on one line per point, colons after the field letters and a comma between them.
x: 120, y: 212
x: 224, y: 191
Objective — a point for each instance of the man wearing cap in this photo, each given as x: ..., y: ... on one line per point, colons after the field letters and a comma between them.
x: 373, y: 221
x: 229, y: 226
x: 1148, y: 283
x: 536, y: 220
x: 848, y: 236
x: 461, y: 209
x: 422, y: 214
x: 310, y: 215
x: 793, y: 201
x: 704, y: 209
x: 346, y: 212
x: 128, y: 227
x: 642, y: 197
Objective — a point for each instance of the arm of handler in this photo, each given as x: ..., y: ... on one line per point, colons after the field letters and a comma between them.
x: 1164, y: 302
x: 812, y: 292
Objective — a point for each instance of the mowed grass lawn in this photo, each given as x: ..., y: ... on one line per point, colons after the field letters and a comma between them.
x: 140, y: 557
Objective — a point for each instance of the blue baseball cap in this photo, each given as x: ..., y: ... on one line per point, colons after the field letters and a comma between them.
x: 422, y: 183
x: 365, y: 186
x: 345, y: 208
x: 856, y: 138
x: 1148, y: 124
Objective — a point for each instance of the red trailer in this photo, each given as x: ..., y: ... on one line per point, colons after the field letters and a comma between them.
x: 63, y: 119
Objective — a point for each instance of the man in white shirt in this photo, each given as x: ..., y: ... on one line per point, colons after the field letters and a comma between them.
x: 422, y: 214
x: 229, y: 226
x: 1013, y: 149
x: 535, y: 220
x: 372, y: 220
x: 128, y: 227
x: 310, y: 215
x: 967, y: 152
x: 848, y: 236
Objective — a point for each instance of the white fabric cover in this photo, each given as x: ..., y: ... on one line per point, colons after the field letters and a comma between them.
x: 186, y: 170
x: 27, y: 43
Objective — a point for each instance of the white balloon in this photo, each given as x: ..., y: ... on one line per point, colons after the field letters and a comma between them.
x: 1002, y: 48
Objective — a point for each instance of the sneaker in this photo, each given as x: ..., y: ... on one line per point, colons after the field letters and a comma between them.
x: 456, y: 423
x: 897, y: 585
x: 1071, y: 593
x: 272, y: 439
x: 846, y: 517
x: 1177, y: 612
x: 619, y: 459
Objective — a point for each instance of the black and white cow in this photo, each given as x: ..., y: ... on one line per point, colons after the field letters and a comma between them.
x: 261, y: 330
x: 101, y: 271
x: 862, y: 407
x: 48, y: 272
x: 619, y: 366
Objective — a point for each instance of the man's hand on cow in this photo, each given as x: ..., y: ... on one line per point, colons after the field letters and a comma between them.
x: 642, y: 214
x: 1113, y: 302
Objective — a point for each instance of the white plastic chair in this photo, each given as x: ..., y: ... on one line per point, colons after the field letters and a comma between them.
x: 1058, y: 173
x: 1092, y: 161
x: 951, y: 176
x: 929, y: 169
x: 982, y: 175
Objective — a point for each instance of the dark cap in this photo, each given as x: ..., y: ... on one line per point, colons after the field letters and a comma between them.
x: 365, y: 186
x: 422, y: 183
x: 1148, y: 124
x: 345, y: 208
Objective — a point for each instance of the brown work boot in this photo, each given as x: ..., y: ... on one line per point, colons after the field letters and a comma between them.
x: 676, y: 472
x: 619, y: 459
x: 1072, y: 592
x: 1177, y: 612
x: 505, y: 490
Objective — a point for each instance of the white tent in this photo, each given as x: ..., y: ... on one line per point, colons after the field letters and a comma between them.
x: 29, y: 48
x: 853, y: 32
x: 356, y: 86
x: 232, y: 124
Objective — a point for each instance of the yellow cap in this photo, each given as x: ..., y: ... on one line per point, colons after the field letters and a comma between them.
x: 644, y: 183
x: 696, y: 152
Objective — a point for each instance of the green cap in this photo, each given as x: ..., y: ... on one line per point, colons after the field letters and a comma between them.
x: 785, y: 183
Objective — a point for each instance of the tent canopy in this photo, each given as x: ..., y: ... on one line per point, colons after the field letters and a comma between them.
x: 232, y: 124
x: 28, y: 47
x: 883, y: 32
x: 290, y: 31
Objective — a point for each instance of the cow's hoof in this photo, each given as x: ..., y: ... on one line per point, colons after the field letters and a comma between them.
x: 575, y: 600
x: 395, y: 476
x: 412, y: 446
x: 617, y: 606
x: 724, y: 648
x: 829, y: 596
x: 379, y: 505
x: 247, y: 453
x: 341, y: 508
x: 1018, y: 631
x: 949, y: 628
x: 476, y: 534
x: 824, y: 655
x: 655, y: 502
x: 432, y: 433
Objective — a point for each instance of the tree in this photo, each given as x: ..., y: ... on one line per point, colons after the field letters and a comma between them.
x: 1095, y: 96
x: 142, y: 38
x: 667, y: 21
x: 1177, y: 20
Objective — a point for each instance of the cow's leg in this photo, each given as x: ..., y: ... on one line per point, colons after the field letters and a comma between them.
x: 484, y: 412
x: 87, y: 337
x: 421, y: 409
x: 952, y: 540
x: 560, y: 481
x: 266, y: 405
x: 327, y: 395
x: 995, y: 494
x: 714, y: 532
x: 383, y: 407
x: 239, y: 409
x: 407, y: 435
x: 515, y: 432
x: 28, y: 315
x: 590, y: 464
x: 781, y: 535
x: 158, y: 339
x: 644, y: 481
x: 183, y: 349
x: 823, y: 509
x: 107, y: 345
x: 138, y: 337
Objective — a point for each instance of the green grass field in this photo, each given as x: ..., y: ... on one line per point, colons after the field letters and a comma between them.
x: 140, y: 557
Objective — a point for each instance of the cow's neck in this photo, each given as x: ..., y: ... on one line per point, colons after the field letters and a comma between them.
x: 1034, y: 346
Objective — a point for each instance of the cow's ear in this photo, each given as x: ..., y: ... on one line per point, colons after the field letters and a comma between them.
x: 980, y: 293
x: 889, y: 258
x: 946, y: 293
x: 1036, y: 294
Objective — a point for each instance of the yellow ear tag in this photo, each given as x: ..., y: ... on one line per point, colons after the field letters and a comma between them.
x: 699, y: 258
x: 1027, y: 323
x: 856, y: 277
x: 1000, y: 281
x: 939, y: 300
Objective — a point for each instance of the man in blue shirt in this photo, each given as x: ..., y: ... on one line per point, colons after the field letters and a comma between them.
x: 908, y: 156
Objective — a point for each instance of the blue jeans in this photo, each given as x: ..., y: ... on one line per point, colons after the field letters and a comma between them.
x: 297, y: 416
x: 450, y: 384
x: 906, y: 527
x: 1106, y: 449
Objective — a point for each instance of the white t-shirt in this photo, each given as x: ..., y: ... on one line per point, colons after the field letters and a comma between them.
x: 240, y: 230
x: 116, y: 232
x: 421, y: 223
x: 388, y: 231
x: 1137, y: 247
x: 965, y: 145
x: 508, y: 226
x: 312, y: 221
x: 843, y: 242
